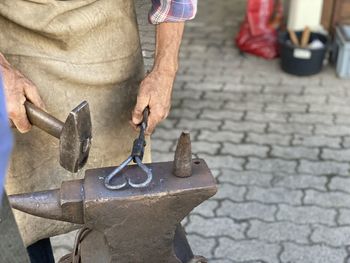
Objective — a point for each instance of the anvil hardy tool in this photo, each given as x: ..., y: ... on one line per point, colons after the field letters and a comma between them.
x: 136, y: 156
x: 138, y: 225
x: 74, y: 134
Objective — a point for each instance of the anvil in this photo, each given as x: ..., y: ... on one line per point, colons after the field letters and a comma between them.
x: 130, y: 225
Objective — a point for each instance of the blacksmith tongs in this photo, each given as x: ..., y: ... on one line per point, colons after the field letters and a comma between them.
x: 136, y: 156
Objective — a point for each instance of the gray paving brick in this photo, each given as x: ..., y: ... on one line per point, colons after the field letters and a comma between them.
x: 279, y: 89
x: 274, y: 99
x: 286, y: 107
x: 168, y: 123
x: 344, y: 217
x: 183, y: 113
x: 342, y: 119
x: 290, y: 128
x: 201, y: 104
x: 220, y: 136
x: 221, y: 115
x: 311, y: 254
x: 314, y: 98
x: 231, y: 192
x: 247, y: 250
x: 337, y: 100
x: 244, y: 126
x: 312, y: 118
x: 247, y: 210
x: 279, y: 231
x: 245, y: 150
x: 207, y: 208
x: 214, y: 227
x: 324, y: 108
x: 327, y: 199
x: 271, y: 165
x: 191, y: 125
x: 203, y: 86
x: 325, y: 167
x: 260, y: 77
x: 204, y: 147
x: 298, y: 181
x: 239, y: 106
x: 336, y: 155
x: 295, y: 152
x: 232, y: 87
x: 223, y: 96
x: 339, y: 183
x: 332, y: 236
x: 346, y: 142
x: 269, y: 138
x: 316, y: 141
x: 274, y: 195
x: 266, y: 116
x: 161, y: 145
x: 169, y: 134
x: 162, y: 156
x: 295, y: 80
x: 223, y: 161
x: 187, y: 94
x: 306, y: 214
x: 201, y: 246
x: 332, y: 130
x: 246, y: 177
x: 340, y: 91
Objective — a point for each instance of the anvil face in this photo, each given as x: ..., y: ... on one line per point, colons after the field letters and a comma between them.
x: 143, y: 219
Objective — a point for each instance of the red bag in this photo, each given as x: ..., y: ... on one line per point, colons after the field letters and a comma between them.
x: 258, y: 32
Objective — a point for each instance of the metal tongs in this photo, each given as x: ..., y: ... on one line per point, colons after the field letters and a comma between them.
x: 136, y: 156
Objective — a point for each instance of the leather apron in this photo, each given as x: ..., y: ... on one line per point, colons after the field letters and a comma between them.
x: 72, y: 50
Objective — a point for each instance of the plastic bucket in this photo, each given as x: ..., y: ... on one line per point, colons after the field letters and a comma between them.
x: 301, y: 61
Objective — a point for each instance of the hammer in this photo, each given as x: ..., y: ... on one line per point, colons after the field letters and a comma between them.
x: 74, y: 135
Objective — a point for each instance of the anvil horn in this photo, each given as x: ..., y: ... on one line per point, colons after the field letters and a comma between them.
x: 65, y: 204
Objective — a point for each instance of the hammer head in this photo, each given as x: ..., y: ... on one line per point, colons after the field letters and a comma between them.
x: 75, y: 139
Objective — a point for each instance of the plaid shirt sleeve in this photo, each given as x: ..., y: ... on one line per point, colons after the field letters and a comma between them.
x: 172, y: 11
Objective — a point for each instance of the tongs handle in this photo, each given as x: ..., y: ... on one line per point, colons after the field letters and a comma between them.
x: 138, y: 147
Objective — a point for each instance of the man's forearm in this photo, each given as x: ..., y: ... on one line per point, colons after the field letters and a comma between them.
x: 168, y: 41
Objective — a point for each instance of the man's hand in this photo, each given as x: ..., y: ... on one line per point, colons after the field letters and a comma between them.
x: 155, y: 92
x: 17, y: 90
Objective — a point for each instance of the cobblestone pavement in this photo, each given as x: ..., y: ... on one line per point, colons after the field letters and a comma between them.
x: 278, y: 145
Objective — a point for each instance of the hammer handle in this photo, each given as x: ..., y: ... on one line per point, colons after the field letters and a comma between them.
x: 43, y: 120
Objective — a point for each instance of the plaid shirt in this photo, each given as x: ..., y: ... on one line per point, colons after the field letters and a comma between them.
x: 172, y: 11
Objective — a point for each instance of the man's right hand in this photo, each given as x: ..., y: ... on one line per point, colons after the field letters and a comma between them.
x: 18, y: 89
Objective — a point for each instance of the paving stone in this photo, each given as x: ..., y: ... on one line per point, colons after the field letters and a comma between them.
x: 247, y: 210
x: 198, y: 124
x: 244, y: 126
x: 225, y: 161
x: 279, y: 89
x: 279, y: 231
x: 245, y: 106
x: 338, y: 100
x: 286, y: 107
x: 169, y: 134
x: 247, y: 250
x: 162, y: 156
x: 260, y: 77
x: 290, y: 128
x: 332, y: 130
x: 346, y: 142
x: 274, y: 99
x: 316, y: 141
x: 201, y: 246
x: 336, y: 90
x: 308, y: 214
x: 245, y: 177
x: 327, y: 199
x: 220, y: 136
x: 207, y: 208
x: 336, y: 155
x: 223, y: 96
x: 298, y: 181
x: 342, y: 119
x: 161, y: 145
x: 332, y: 236
x: 168, y: 123
x: 266, y: 116
x: 204, y: 147
x: 325, y: 167
x: 269, y: 138
x: 344, y: 217
x: 184, y: 113
x: 214, y: 227
x: 271, y: 165
x: 314, y: 98
x: 311, y: 254
x: 221, y: 115
x: 245, y: 150
x: 201, y: 104
x: 323, y: 108
x: 231, y: 192
x: 203, y: 86
x: 296, y: 152
x: 274, y: 195
x: 312, y: 118
x: 239, y: 88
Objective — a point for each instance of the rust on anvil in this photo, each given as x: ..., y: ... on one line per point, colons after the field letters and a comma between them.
x: 183, y: 156
x: 133, y: 224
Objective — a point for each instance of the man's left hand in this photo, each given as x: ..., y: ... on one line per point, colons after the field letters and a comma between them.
x: 155, y: 92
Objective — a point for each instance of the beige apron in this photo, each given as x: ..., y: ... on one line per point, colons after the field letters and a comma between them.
x: 72, y: 50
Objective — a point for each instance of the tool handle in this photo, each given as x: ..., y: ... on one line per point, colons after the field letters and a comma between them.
x: 43, y: 120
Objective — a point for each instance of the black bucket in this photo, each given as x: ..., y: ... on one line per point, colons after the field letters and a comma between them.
x: 301, y: 61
